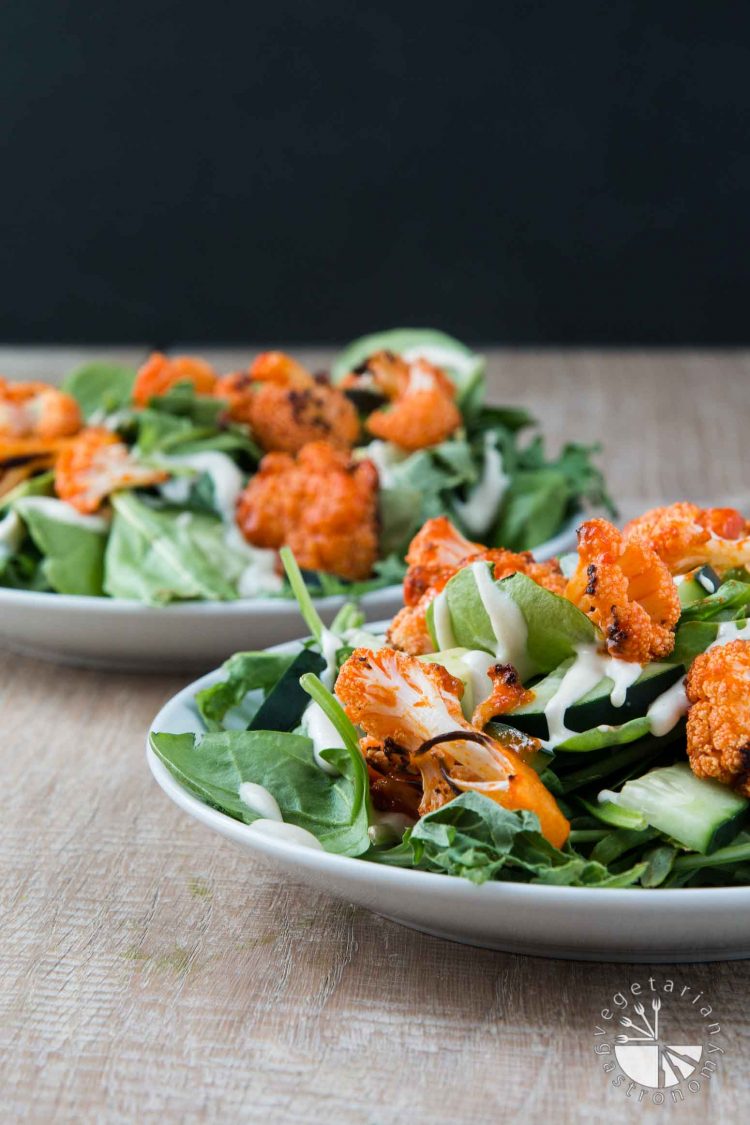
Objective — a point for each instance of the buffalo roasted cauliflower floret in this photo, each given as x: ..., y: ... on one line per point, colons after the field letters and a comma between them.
x: 36, y: 410
x: 160, y: 373
x: 323, y: 505
x: 287, y: 407
x: 685, y: 536
x: 415, y: 706
x: 95, y: 464
x: 423, y: 413
x: 627, y: 591
x: 718, y: 724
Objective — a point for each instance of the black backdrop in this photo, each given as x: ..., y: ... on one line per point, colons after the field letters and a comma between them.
x: 529, y: 172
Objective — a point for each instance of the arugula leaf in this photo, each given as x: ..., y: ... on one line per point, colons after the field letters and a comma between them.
x: 244, y: 672
x: 101, y: 388
x: 73, y: 554
x: 214, y: 765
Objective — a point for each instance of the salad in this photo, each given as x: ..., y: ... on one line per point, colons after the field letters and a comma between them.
x: 176, y: 483
x: 583, y: 721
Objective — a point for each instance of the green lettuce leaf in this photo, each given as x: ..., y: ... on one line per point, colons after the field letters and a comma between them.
x: 72, y: 554
x: 101, y: 388
x: 158, y: 555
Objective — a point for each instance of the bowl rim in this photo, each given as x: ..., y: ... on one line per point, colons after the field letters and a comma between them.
x: 49, y: 600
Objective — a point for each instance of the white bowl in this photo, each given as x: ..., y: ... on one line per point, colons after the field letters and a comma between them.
x: 636, y: 925
x: 186, y: 636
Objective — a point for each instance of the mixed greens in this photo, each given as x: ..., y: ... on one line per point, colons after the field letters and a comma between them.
x: 604, y: 737
x: 175, y: 535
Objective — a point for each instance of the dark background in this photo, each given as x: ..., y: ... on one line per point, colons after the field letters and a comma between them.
x: 553, y: 172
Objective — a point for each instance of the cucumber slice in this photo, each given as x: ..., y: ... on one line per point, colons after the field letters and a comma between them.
x: 700, y: 814
x: 464, y: 367
x: 595, y: 709
x: 697, y: 585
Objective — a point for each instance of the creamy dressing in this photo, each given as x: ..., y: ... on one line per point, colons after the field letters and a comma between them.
x: 441, y: 356
x: 226, y: 480
x: 289, y: 833
x: 679, y: 579
x: 730, y: 631
x: 384, y: 457
x: 506, y: 620
x: 479, y: 509
x: 668, y: 708
x: 11, y: 535
x: 259, y: 800
x: 259, y: 576
x: 706, y: 583
x: 329, y: 646
x: 323, y: 735
x: 442, y: 624
x: 478, y: 662
x: 60, y: 512
x: 586, y: 671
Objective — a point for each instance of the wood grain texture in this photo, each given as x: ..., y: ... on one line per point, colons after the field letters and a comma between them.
x: 151, y: 972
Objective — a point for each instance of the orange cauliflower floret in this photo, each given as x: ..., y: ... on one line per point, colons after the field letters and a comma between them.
x: 685, y: 536
x: 423, y: 414
x: 718, y: 724
x: 95, y: 464
x: 627, y: 591
x: 160, y: 373
x: 36, y: 410
x: 416, y: 706
x: 287, y: 407
x: 507, y: 694
x: 323, y: 505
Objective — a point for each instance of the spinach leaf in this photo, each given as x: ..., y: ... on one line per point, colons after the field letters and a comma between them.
x: 100, y: 388
x: 73, y: 554
x: 160, y: 555
x: 533, y: 509
x: 244, y: 672
x: 729, y: 601
x: 214, y: 765
x: 478, y: 839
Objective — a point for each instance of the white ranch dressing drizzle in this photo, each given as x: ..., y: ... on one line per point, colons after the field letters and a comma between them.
x: 479, y: 509
x: 506, y: 620
x: 707, y: 584
x: 322, y: 733
x: 61, y: 512
x: 669, y: 707
x: 329, y: 646
x: 478, y: 662
x: 385, y: 457
x: 419, y: 380
x: 11, y: 535
x: 259, y: 576
x: 442, y: 623
x: 586, y: 671
x: 290, y: 833
x: 226, y: 479
x: 259, y: 800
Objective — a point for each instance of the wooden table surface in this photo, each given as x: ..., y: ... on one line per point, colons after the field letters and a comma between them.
x: 151, y: 972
